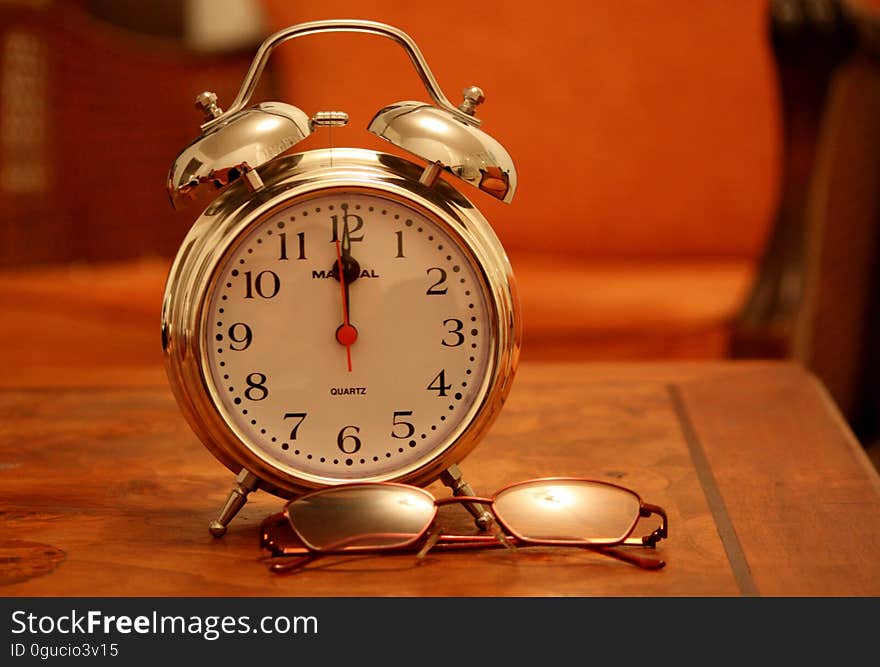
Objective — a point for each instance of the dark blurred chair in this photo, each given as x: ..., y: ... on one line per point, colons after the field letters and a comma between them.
x: 815, y: 296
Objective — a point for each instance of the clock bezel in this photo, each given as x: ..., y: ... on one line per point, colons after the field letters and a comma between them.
x: 226, y: 221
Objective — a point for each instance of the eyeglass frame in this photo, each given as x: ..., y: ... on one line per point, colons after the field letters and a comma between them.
x: 433, y: 539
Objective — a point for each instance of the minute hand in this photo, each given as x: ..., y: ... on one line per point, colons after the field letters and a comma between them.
x: 349, y: 266
x: 346, y: 271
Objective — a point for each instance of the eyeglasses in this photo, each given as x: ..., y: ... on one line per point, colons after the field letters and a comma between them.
x: 375, y: 517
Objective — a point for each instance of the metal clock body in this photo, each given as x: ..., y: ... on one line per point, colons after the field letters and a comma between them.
x: 342, y: 314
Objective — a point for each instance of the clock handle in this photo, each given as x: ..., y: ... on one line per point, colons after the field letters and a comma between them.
x: 341, y: 25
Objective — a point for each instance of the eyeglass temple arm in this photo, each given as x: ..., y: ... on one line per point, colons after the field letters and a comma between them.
x: 298, y: 556
x: 661, y: 532
x: 455, y: 542
x: 293, y: 563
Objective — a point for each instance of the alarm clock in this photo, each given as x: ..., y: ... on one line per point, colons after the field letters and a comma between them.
x: 340, y: 314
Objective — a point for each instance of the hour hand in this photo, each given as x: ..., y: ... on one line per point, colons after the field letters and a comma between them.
x: 346, y: 270
x: 346, y: 267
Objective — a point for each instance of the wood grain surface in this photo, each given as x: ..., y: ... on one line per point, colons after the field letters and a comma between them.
x: 106, y: 492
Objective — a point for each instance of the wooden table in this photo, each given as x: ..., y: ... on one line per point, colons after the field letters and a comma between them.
x: 104, y: 491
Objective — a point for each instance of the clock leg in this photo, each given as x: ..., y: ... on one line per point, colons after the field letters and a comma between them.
x: 245, y: 482
x: 452, y: 478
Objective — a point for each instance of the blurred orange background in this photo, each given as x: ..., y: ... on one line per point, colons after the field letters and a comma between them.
x: 651, y: 141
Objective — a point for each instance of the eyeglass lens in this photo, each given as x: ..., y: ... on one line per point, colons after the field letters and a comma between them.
x: 364, y: 517
x: 573, y: 511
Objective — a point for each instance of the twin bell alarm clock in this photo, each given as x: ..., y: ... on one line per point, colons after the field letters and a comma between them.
x: 339, y: 315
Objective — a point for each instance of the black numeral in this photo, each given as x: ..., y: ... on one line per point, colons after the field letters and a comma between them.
x: 245, y: 338
x: 399, y: 244
x: 354, y: 442
x: 436, y: 287
x: 455, y: 331
x: 352, y: 222
x: 257, y: 389
x: 407, y: 426
x: 300, y: 416
x: 301, y: 238
x: 266, y: 284
x: 439, y: 385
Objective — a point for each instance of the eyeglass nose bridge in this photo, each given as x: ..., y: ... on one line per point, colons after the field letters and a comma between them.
x: 495, y: 523
x: 471, y: 501
x: 451, y: 500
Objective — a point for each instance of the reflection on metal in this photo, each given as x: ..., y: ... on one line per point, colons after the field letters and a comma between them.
x: 245, y: 141
x: 463, y: 150
x: 329, y: 119
x: 238, y: 140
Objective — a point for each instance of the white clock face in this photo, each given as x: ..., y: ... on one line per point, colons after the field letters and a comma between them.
x: 329, y: 385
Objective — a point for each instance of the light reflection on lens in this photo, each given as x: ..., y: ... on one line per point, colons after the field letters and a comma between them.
x: 553, y: 497
x: 568, y: 511
x: 413, y: 503
x: 365, y: 516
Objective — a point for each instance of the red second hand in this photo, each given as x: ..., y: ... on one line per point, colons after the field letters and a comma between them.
x: 346, y: 334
